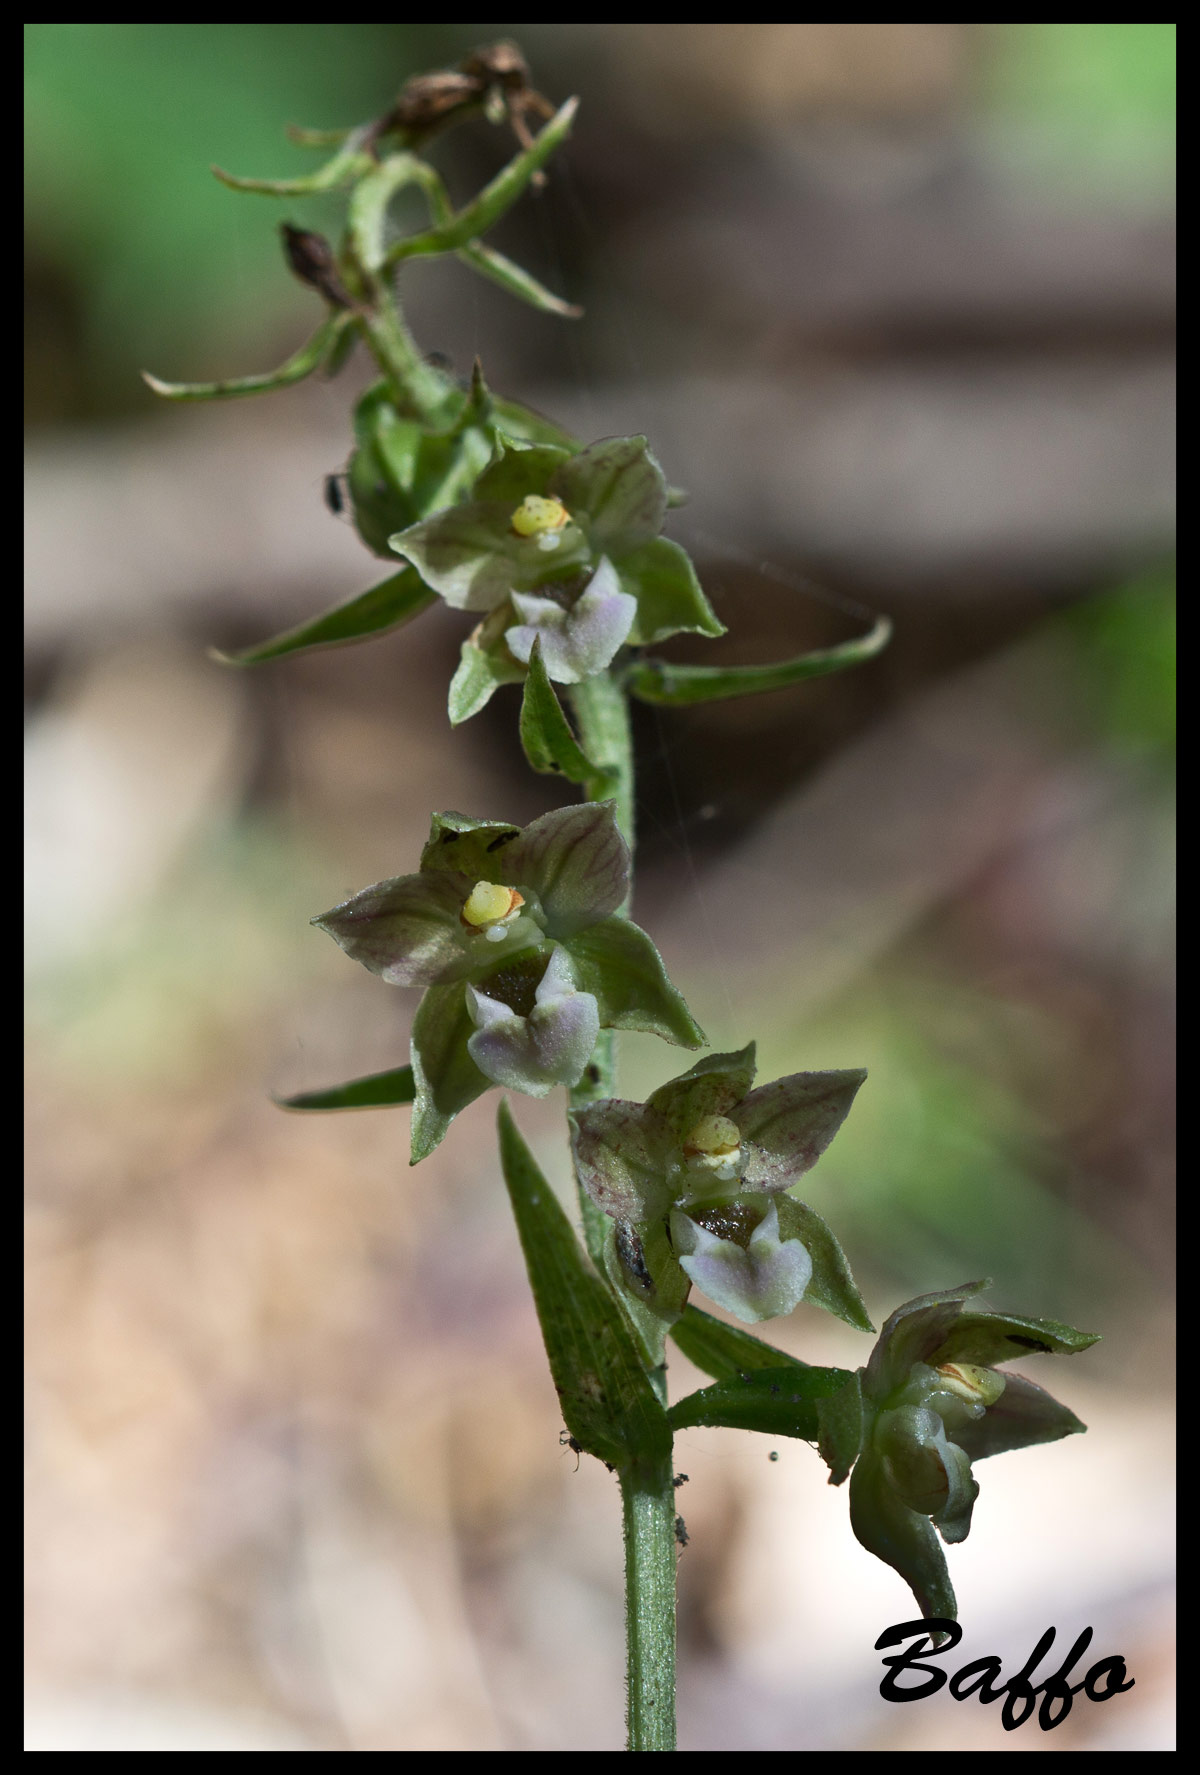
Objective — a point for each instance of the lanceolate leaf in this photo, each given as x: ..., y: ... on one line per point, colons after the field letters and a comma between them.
x: 310, y: 357
x: 608, y: 1404
x: 378, y: 1091
x: 516, y: 280
x: 657, y: 681
x: 546, y: 735
x: 776, y: 1401
x: 397, y: 600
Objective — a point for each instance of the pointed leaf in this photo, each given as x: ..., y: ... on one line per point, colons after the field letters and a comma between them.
x: 397, y: 600
x: 546, y: 735
x: 351, y: 161
x: 832, y: 1286
x: 658, y: 681
x: 774, y: 1401
x: 608, y: 1404
x: 724, y: 1351
x: 446, y: 1077
x: 840, y: 1428
x: 617, y: 962
x: 671, y: 600
x: 1023, y: 1415
x: 377, y: 1091
x: 302, y: 363
x: 516, y: 280
x: 900, y: 1537
x: 619, y: 491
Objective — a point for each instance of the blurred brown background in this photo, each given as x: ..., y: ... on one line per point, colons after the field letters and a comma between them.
x: 895, y: 303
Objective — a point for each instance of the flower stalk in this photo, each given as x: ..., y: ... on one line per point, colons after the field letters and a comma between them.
x: 520, y: 939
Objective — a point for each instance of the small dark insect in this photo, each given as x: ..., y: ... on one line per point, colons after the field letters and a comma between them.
x: 333, y: 495
x: 593, y: 1075
x: 632, y: 1257
x: 679, y: 1479
x: 774, y: 1455
x: 503, y: 839
x: 681, y: 1534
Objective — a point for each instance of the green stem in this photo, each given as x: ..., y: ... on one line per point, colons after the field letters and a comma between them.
x: 601, y: 712
x: 417, y: 387
x: 648, y: 1504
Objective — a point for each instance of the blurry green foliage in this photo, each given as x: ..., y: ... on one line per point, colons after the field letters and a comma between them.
x: 123, y: 122
x: 1126, y: 651
x: 1093, y: 104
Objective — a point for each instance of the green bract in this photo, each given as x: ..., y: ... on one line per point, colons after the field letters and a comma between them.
x: 933, y: 1402
x: 513, y: 934
x: 695, y: 1180
x: 588, y: 573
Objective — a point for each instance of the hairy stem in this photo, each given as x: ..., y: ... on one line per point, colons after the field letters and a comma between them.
x: 647, y: 1488
x: 648, y: 1504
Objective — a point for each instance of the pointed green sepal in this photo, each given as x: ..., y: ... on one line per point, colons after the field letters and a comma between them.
x: 647, y: 1280
x: 831, y: 1286
x: 445, y: 1076
x: 618, y: 963
x: 397, y: 600
x: 607, y: 1401
x: 671, y: 600
x: 302, y: 363
x: 1023, y: 1416
x: 658, y: 681
x: 379, y: 1090
x: 481, y: 670
x: 902, y: 1538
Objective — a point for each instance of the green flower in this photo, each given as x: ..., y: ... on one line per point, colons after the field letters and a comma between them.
x: 697, y: 1177
x: 933, y: 1402
x: 562, y: 547
x: 513, y: 934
